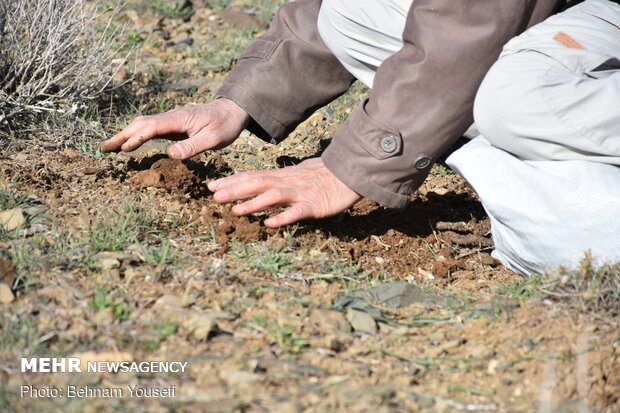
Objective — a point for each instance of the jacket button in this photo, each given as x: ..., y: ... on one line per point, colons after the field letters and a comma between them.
x: 422, y: 162
x: 388, y: 143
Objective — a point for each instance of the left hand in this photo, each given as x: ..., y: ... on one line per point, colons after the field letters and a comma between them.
x: 309, y: 190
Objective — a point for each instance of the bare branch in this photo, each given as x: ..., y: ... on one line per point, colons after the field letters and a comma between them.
x: 56, y: 54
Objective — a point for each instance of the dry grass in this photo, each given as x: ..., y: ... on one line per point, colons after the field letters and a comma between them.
x: 55, y: 55
x: 593, y: 288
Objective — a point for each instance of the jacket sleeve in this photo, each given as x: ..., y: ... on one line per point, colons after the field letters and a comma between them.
x: 286, y: 74
x: 423, y: 95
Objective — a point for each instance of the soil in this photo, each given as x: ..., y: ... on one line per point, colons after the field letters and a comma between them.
x: 169, y: 174
x: 176, y: 176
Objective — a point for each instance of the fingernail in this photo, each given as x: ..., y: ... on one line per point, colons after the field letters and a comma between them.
x: 213, y: 186
x: 175, y: 152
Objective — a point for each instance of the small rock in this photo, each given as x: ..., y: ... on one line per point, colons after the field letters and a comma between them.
x: 496, y: 366
x: 180, y: 40
x: 480, y: 351
x: 201, y: 325
x: 334, y: 343
x: 395, y: 295
x: 329, y: 321
x: 361, y: 321
x: 12, y: 219
x: 433, y: 352
x: 217, y: 267
x: 112, y: 255
x: 168, y: 302
x: 239, y: 378
x: 240, y: 20
x: 35, y: 210
x: 78, y: 254
x: 148, y: 24
x: 6, y: 295
x: 452, y: 344
x: 288, y: 407
x: 109, y: 260
x: 137, y: 251
x: 108, y: 263
x: 508, y: 381
x: 201, y: 16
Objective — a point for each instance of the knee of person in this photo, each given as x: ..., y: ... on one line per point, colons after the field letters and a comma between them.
x: 328, y: 9
x: 325, y: 21
x: 330, y: 23
x: 489, y: 115
x: 338, y: 5
x: 333, y: 11
x: 500, y: 107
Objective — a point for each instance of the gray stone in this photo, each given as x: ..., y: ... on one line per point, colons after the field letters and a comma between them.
x: 361, y: 321
x: 6, y: 295
x: 12, y: 219
x: 395, y: 295
x: 329, y: 321
x: 239, y: 378
x: 480, y: 351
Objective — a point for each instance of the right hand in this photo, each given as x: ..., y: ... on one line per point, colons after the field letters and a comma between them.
x: 198, y: 128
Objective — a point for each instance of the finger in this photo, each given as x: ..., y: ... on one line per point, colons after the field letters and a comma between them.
x: 240, y: 177
x: 246, y: 188
x: 237, y: 178
x: 272, y: 198
x: 136, y: 141
x: 193, y: 145
x: 144, y: 128
x: 297, y: 212
x: 115, y: 143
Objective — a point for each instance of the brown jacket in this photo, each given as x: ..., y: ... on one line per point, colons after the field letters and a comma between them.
x: 422, y: 96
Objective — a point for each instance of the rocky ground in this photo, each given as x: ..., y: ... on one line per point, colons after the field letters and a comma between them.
x: 127, y: 257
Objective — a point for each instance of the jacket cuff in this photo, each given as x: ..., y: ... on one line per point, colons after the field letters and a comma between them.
x: 354, y: 177
x: 263, y: 125
x: 367, y: 156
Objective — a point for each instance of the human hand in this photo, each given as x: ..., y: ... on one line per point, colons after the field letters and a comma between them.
x: 202, y: 127
x: 309, y: 190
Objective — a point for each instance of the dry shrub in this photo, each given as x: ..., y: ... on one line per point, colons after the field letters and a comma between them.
x: 55, y: 55
x: 594, y: 289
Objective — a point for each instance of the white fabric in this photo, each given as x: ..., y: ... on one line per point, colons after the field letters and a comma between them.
x: 363, y: 34
x: 545, y: 103
x: 544, y: 214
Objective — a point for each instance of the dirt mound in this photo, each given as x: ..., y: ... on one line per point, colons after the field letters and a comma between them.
x: 229, y: 227
x: 171, y: 174
x: 190, y: 177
